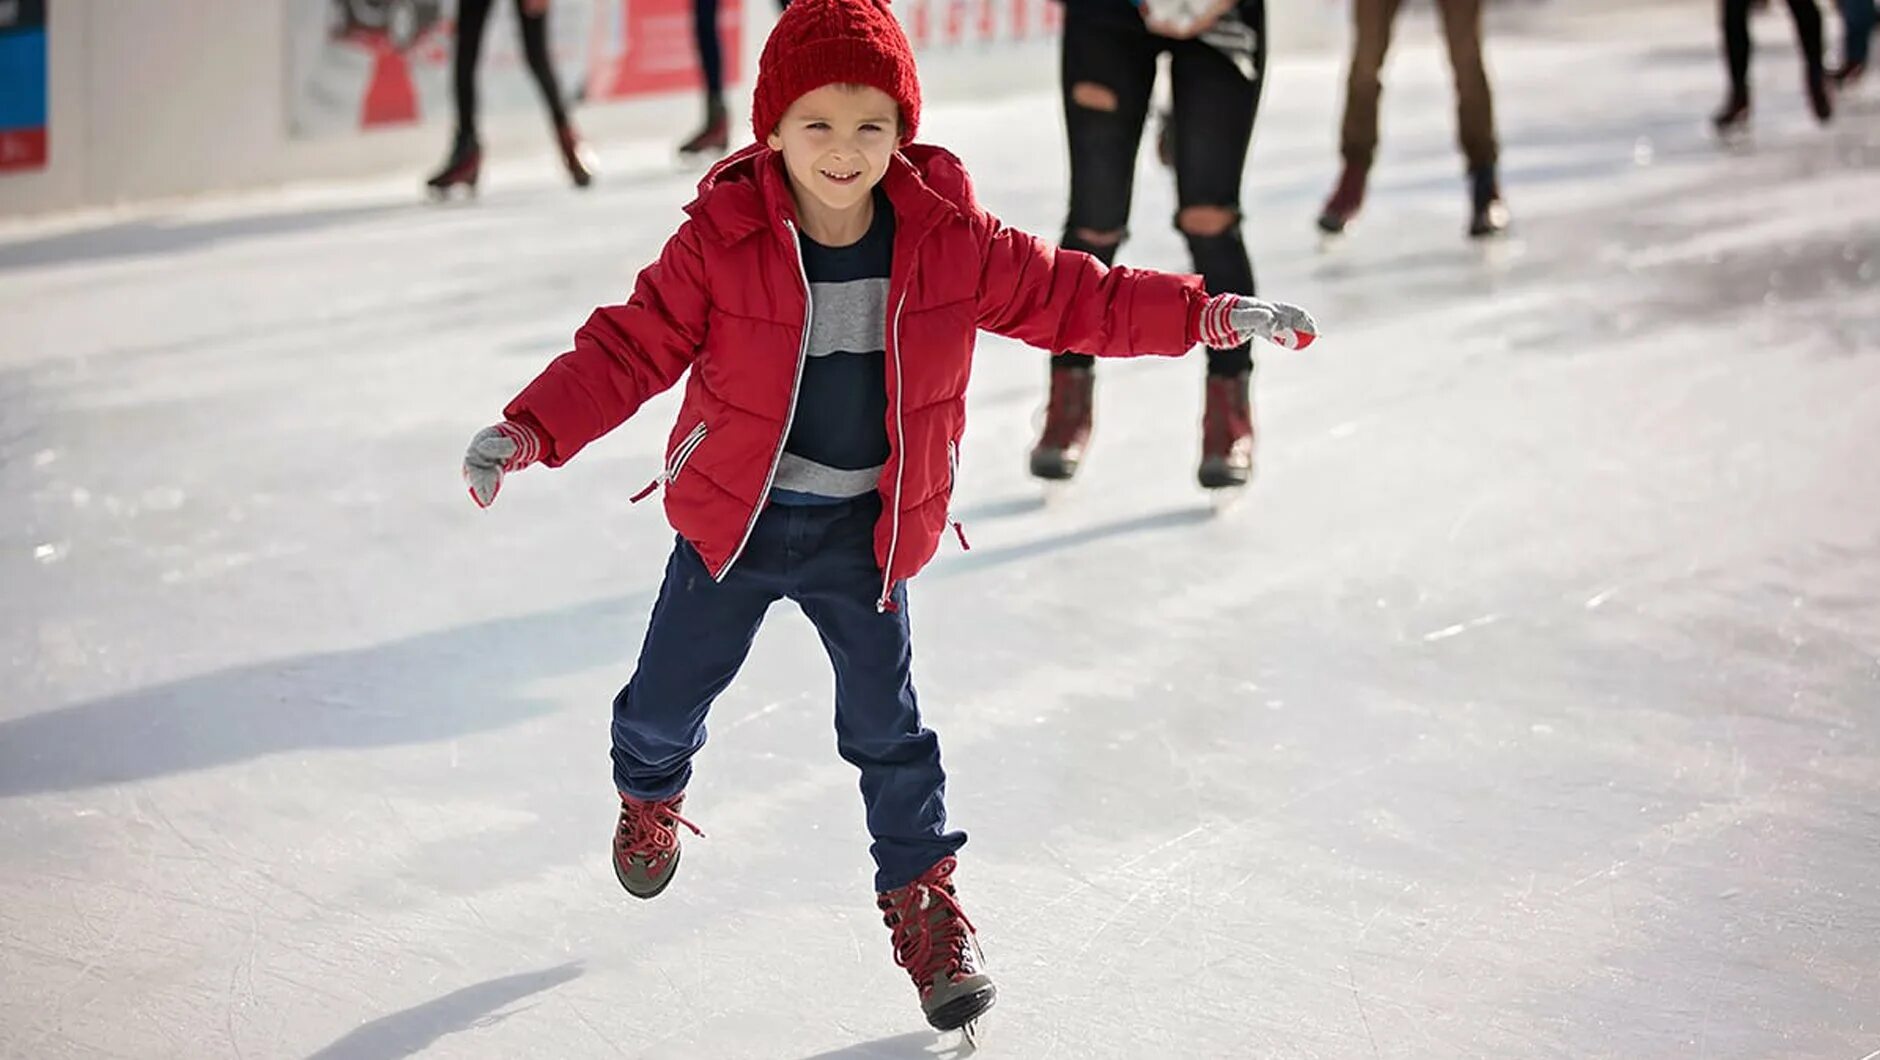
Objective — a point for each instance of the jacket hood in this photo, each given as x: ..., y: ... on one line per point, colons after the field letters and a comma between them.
x: 749, y: 191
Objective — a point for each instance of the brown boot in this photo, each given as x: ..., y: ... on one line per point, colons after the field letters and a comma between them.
x: 1227, y: 432
x: 1347, y: 197
x: 714, y: 138
x: 1066, y: 423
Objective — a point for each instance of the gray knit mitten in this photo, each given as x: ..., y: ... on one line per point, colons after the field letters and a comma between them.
x: 508, y: 446
x: 1227, y: 320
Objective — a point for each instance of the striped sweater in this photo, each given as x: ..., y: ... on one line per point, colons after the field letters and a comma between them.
x: 839, y: 438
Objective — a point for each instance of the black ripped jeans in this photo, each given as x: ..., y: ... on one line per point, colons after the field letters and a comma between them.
x: 472, y: 16
x: 1215, y: 102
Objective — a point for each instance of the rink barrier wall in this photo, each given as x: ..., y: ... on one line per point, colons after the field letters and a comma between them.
x: 151, y: 101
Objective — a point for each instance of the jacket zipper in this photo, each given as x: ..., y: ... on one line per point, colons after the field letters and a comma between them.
x: 953, y: 481
x: 789, y: 417
x: 900, y: 461
x: 674, y: 463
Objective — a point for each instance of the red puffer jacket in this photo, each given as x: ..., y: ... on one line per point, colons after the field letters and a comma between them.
x: 728, y: 299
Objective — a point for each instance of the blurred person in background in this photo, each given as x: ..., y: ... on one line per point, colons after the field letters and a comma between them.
x: 1475, y: 113
x: 714, y: 138
x: 1217, y: 64
x: 1734, y: 116
x: 466, y: 154
x: 1857, y: 22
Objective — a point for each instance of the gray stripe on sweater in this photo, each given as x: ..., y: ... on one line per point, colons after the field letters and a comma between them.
x: 848, y: 317
x: 807, y: 476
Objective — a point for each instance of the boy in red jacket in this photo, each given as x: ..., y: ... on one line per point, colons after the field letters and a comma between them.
x: 825, y: 292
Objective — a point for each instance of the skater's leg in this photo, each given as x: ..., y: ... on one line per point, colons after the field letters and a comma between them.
x: 1808, y: 34
x: 1475, y: 106
x: 699, y: 635
x: 878, y: 730
x: 1107, y: 78
x: 715, y: 135
x: 1808, y: 37
x: 533, y: 20
x: 1857, y: 23
x: 710, y: 53
x: 472, y: 17
x: 1736, y: 46
x: 878, y: 726
x: 1215, y: 108
x: 1475, y: 115
x: 1371, y: 25
x: 1357, y: 135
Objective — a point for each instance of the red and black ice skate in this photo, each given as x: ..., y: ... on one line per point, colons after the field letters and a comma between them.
x: 461, y: 169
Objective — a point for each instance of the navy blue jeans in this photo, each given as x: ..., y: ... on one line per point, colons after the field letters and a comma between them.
x: 1857, y: 18
x: 821, y: 556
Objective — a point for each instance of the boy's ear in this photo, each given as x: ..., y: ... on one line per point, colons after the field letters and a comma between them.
x: 775, y: 142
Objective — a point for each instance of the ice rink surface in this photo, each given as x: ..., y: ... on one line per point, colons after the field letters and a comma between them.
x: 1528, y: 705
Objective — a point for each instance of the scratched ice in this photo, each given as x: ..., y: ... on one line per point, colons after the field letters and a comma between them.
x: 1525, y: 707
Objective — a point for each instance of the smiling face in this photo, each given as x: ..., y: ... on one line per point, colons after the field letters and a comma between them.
x: 836, y: 143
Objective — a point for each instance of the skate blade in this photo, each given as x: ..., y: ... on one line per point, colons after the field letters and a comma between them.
x: 1737, y: 139
x: 698, y: 161
x: 443, y: 195
x: 1056, y: 491
x: 972, y: 1034
x: 1498, y: 251
x: 1224, y: 499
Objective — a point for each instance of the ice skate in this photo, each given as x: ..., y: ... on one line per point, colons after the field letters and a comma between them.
x: 576, y: 156
x: 1488, y: 215
x: 1227, y: 433
x: 1732, y: 122
x: 1820, y: 95
x: 461, y: 169
x: 935, y: 944
x: 646, y: 844
x: 1342, y: 207
x: 712, y: 140
x: 1060, y: 448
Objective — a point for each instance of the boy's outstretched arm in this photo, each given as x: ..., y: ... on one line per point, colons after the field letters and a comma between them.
x: 622, y: 356
x: 1059, y: 300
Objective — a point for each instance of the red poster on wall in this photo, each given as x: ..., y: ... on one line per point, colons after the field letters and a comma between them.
x: 645, y: 46
x: 368, y: 64
x: 22, y: 85
x: 952, y: 24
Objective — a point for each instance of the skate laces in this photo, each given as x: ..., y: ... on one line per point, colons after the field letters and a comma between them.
x: 930, y: 930
x: 646, y: 828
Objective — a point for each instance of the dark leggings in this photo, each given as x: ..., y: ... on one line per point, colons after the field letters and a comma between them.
x: 1736, y: 39
x: 472, y: 16
x: 711, y: 56
x: 1212, y: 126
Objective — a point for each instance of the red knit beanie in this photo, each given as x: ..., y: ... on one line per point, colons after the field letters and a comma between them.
x: 834, y: 42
